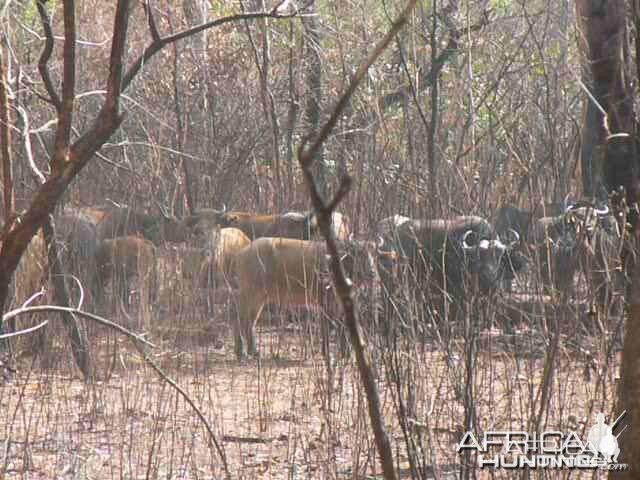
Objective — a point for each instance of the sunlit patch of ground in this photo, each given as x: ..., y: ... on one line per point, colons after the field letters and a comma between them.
x: 287, y: 416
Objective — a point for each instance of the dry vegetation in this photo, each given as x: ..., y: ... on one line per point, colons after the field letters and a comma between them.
x: 282, y: 418
x: 502, y: 127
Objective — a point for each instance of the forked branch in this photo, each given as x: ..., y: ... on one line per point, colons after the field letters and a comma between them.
x: 343, y: 287
x: 46, y: 55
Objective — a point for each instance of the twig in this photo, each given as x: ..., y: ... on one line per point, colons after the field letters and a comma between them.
x: 54, y: 308
x: 203, y: 419
x: 158, y: 43
x: 25, y: 331
x: 343, y: 287
x: 46, y: 55
x: 138, y: 342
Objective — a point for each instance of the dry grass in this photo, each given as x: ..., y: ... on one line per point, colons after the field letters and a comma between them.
x: 287, y: 416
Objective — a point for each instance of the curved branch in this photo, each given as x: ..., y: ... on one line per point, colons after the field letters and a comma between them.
x: 46, y: 55
x: 96, y: 318
x: 152, y: 22
x: 159, y: 43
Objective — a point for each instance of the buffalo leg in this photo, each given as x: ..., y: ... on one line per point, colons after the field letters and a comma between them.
x: 244, y: 328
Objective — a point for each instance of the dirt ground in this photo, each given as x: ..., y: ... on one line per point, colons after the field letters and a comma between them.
x: 286, y: 416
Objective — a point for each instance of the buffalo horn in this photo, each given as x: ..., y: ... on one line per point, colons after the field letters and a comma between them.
x: 464, y: 239
x: 601, y: 212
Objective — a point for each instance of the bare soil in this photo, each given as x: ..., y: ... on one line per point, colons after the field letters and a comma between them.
x: 288, y: 415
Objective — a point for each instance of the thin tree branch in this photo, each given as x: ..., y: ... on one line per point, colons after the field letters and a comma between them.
x: 26, y: 139
x: 74, y: 311
x: 108, y: 119
x: 153, y: 28
x: 343, y: 287
x: 5, y: 139
x: 46, y: 55
x: 65, y: 114
x: 25, y: 331
x: 158, y: 44
x: 138, y: 343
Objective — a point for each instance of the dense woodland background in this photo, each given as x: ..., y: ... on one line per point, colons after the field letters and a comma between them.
x: 230, y: 105
x: 474, y: 105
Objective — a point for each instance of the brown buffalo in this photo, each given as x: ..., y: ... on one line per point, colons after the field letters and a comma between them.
x: 119, y: 260
x: 126, y: 221
x: 291, y: 273
x: 94, y: 214
x: 30, y: 278
x: 206, y: 220
x: 288, y: 225
x: 217, y: 268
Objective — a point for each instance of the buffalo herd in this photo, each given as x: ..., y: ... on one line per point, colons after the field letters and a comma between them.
x: 279, y: 258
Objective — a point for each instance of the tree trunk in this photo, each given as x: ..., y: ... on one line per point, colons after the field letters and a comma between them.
x: 603, y: 30
x: 592, y: 135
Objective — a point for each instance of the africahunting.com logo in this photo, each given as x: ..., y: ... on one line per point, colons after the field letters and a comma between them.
x: 551, y: 449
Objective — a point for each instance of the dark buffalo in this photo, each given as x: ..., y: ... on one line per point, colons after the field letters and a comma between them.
x: 583, y: 237
x: 449, y: 258
x: 519, y: 225
x: 206, y: 220
x: 454, y: 248
x: 522, y: 221
x: 77, y: 244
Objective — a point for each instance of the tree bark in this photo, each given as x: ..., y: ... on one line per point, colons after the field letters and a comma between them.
x: 592, y: 135
x: 602, y: 30
x: 5, y: 138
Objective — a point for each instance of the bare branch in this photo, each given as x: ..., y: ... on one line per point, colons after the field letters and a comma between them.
x: 212, y: 436
x: 65, y: 114
x: 158, y: 44
x: 109, y: 119
x: 25, y: 331
x: 5, y: 138
x: 153, y: 28
x: 26, y: 139
x: 343, y: 287
x: 96, y: 318
x: 46, y: 55
x: 115, y: 61
x: 138, y: 342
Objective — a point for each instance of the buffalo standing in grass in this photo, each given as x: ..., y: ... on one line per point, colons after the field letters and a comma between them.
x: 292, y: 273
x: 121, y: 259
x: 455, y: 259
